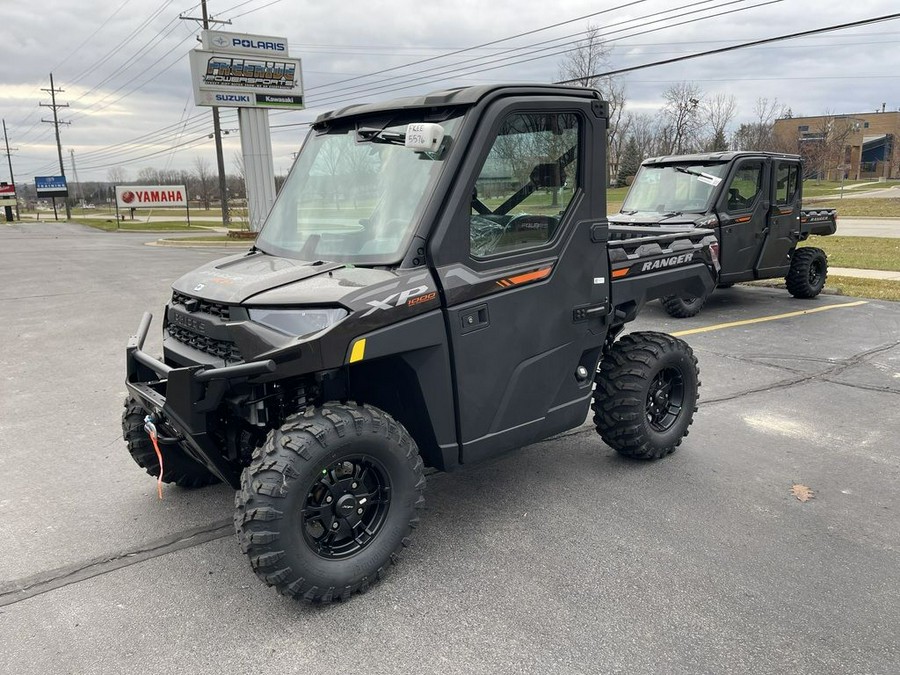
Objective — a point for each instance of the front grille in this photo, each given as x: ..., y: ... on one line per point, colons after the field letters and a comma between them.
x: 220, y: 348
x: 205, y: 306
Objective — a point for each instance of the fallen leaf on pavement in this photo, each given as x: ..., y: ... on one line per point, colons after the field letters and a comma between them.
x: 802, y: 493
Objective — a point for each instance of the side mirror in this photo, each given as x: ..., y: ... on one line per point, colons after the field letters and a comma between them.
x: 548, y: 175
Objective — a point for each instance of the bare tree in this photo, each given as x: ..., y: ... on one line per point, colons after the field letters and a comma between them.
x: 584, y: 63
x: 681, y: 113
x: 203, y: 181
x: 116, y: 175
x: 645, y: 131
x: 584, y: 66
x: 718, y: 113
x: 825, y: 148
x: 760, y: 133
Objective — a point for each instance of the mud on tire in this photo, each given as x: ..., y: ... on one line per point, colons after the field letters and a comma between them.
x: 329, y: 501
x: 180, y: 468
x: 809, y: 269
x: 646, y: 394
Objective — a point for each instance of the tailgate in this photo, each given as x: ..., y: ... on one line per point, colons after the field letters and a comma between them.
x: 821, y: 221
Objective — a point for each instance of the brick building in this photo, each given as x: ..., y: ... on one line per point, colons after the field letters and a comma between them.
x: 856, y: 145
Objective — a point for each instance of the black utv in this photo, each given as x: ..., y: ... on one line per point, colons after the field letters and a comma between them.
x: 753, y: 202
x: 434, y: 285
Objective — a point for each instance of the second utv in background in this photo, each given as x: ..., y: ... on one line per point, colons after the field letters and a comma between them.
x: 753, y: 202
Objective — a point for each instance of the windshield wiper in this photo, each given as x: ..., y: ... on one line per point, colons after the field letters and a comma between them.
x: 671, y: 214
x: 381, y: 136
x: 705, y: 177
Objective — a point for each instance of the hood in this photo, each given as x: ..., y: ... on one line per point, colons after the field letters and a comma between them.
x: 653, y: 218
x: 269, y: 279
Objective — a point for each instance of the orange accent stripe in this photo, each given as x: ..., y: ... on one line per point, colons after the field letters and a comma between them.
x: 620, y: 273
x: 529, y: 276
x: 504, y: 283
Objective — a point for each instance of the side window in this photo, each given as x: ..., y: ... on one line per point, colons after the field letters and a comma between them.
x: 786, y: 183
x: 745, y: 186
x: 526, y: 183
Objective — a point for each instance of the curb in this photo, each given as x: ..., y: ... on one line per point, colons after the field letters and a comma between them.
x: 174, y: 243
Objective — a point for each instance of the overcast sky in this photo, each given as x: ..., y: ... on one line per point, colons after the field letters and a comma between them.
x: 124, y: 64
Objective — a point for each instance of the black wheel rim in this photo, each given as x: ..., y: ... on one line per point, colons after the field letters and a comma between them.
x: 815, y: 273
x: 665, y: 399
x: 346, y: 507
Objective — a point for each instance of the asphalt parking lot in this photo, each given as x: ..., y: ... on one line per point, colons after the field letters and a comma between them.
x: 558, y: 558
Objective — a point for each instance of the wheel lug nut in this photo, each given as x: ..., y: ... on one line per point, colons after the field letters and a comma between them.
x: 328, y: 499
x: 354, y: 485
x: 334, y: 526
x: 359, y: 511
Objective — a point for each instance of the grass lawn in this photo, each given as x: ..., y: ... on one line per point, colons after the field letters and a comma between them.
x: 868, y: 253
x: 833, y: 188
x: 129, y: 225
x: 864, y: 288
x: 850, y: 208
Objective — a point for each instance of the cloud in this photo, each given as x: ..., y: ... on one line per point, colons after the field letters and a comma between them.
x: 124, y: 65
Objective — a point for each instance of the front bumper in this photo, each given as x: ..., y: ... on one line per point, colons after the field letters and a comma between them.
x: 184, y: 397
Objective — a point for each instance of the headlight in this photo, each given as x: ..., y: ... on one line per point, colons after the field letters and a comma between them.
x: 298, y: 322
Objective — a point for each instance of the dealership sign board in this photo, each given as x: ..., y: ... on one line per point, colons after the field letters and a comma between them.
x: 132, y: 196
x: 246, y: 80
x: 243, y: 43
x: 51, y: 186
x: 7, y: 195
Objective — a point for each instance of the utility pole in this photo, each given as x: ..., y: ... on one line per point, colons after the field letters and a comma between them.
x: 79, y: 194
x: 217, y: 128
x: 55, y: 122
x: 12, y: 178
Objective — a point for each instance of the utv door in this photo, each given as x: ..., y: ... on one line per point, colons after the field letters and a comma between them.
x: 784, y: 220
x: 524, y: 283
x: 743, y: 211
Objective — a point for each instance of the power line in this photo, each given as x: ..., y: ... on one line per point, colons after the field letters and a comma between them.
x: 504, y: 62
x: 743, y: 45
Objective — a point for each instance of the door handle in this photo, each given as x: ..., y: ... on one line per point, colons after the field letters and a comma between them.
x: 473, y: 319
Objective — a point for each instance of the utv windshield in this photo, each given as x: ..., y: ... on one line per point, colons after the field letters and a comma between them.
x: 673, y: 189
x: 355, y: 194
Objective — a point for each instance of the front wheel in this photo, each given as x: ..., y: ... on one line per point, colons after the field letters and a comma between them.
x: 329, y: 501
x: 646, y: 395
x: 809, y: 269
x: 179, y: 467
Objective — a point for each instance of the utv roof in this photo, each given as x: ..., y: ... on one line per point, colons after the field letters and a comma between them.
x: 461, y: 96
x: 715, y: 157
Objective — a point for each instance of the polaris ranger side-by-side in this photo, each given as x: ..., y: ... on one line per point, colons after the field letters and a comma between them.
x: 752, y: 200
x: 434, y: 285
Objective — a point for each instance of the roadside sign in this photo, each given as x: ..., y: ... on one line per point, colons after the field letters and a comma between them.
x: 246, y: 81
x: 51, y: 186
x: 243, y: 43
x: 7, y: 195
x: 147, y: 196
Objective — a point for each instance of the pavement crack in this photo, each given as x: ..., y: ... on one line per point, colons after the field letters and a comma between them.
x: 21, y: 589
x: 823, y: 375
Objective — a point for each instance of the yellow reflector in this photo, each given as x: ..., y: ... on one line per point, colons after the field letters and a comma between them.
x: 358, y: 351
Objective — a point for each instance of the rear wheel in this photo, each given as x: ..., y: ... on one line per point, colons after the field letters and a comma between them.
x: 329, y: 501
x: 683, y: 307
x: 809, y: 269
x: 179, y: 467
x: 646, y: 395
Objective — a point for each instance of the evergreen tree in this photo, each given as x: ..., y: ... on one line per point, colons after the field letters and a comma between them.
x: 631, y: 161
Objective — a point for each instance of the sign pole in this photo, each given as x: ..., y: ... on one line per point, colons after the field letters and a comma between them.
x: 187, y: 205
x: 117, y: 212
x: 55, y: 214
